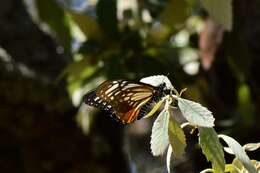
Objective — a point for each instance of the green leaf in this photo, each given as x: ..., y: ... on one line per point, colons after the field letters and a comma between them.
x: 176, y: 138
x: 88, y: 25
x: 175, y: 13
x: 239, y: 152
x: 80, y: 69
x: 107, y: 17
x: 53, y: 14
x: 160, y: 138
x: 154, y: 109
x: 211, y: 148
x: 238, y: 166
x: 220, y: 11
x: 229, y: 168
x: 195, y: 113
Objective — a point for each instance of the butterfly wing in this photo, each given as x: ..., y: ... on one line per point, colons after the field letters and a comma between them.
x: 122, y: 98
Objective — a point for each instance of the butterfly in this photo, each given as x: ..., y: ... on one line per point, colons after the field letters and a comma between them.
x: 125, y: 100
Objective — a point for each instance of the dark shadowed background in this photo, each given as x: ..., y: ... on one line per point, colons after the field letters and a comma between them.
x: 54, y: 51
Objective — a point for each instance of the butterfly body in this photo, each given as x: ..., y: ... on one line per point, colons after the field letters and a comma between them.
x: 125, y: 100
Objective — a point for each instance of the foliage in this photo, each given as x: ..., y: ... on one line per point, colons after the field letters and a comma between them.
x: 167, y: 132
x: 108, y: 40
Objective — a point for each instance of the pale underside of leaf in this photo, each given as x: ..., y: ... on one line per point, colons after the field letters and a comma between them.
x: 168, y: 158
x: 195, y: 113
x: 239, y: 152
x: 159, y: 137
x: 251, y: 146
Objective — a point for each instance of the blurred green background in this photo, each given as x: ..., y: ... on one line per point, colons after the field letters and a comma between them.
x: 53, y: 51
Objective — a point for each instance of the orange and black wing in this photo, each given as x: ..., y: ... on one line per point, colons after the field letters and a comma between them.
x: 125, y: 99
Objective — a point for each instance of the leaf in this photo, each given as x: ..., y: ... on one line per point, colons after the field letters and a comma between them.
x: 160, y: 138
x: 220, y: 11
x: 168, y: 158
x: 229, y: 168
x: 88, y: 25
x: 211, y: 148
x: 239, y: 152
x: 252, y: 146
x: 175, y: 13
x: 238, y: 166
x: 207, y: 171
x: 80, y: 69
x: 156, y: 80
x: 154, y: 109
x: 51, y: 13
x: 176, y: 138
x: 256, y: 164
x: 195, y: 113
x: 228, y: 150
x: 107, y: 17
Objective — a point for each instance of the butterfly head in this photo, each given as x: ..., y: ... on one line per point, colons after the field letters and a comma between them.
x: 160, y: 91
x: 162, y: 87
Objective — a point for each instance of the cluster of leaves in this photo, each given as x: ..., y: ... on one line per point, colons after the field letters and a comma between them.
x: 109, y: 39
x: 168, y: 133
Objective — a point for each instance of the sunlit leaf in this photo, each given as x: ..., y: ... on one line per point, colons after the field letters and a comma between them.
x: 251, y: 146
x: 239, y: 153
x: 176, y: 138
x: 77, y: 73
x: 238, y: 166
x: 158, y: 33
x: 229, y: 168
x: 85, y: 117
x: 154, y: 109
x: 80, y: 69
x: 168, y: 158
x: 87, y: 24
x: 256, y: 163
x: 160, y: 138
x: 228, y: 150
x: 220, y: 11
x: 175, y: 13
x: 51, y: 13
x: 211, y: 148
x: 209, y: 170
x: 195, y: 113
